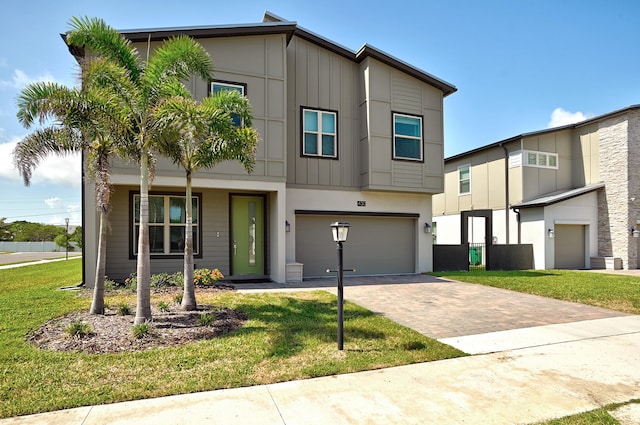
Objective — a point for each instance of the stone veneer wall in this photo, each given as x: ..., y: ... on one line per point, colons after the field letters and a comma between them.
x: 634, y: 184
x: 619, y: 140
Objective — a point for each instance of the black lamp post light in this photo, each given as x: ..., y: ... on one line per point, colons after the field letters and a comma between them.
x: 340, y: 232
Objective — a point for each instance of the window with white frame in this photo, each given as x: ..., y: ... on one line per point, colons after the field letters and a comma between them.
x: 407, y: 137
x: 218, y: 86
x: 319, y: 133
x: 464, y: 179
x: 541, y: 159
x: 167, y: 222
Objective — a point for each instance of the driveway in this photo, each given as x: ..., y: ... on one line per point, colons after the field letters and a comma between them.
x: 475, y: 318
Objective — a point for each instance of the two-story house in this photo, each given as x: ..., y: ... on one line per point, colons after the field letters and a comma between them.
x: 573, y: 192
x: 345, y: 136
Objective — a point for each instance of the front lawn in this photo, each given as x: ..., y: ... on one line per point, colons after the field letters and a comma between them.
x: 286, y: 337
x: 615, y: 292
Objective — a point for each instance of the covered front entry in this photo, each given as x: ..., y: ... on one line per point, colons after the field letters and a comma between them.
x: 569, y: 246
x: 247, y: 236
x: 376, y: 245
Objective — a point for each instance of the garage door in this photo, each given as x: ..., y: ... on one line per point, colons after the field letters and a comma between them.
x: 569, y: 247
x: 375, y: 245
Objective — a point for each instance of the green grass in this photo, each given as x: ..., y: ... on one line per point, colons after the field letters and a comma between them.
x: 598, y: 416
x: 287, y: 337
x: 616, y: 292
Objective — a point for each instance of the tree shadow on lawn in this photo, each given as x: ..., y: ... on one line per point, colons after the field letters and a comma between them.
x: 293, y: 322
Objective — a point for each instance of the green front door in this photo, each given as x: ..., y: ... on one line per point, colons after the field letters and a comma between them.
x: 247, y: 238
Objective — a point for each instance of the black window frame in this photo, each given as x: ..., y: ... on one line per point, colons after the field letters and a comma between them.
x: 198, y: 251
x: 393, y: 137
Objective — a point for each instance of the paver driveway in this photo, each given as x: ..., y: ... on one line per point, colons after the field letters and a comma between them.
x: 441, y: 308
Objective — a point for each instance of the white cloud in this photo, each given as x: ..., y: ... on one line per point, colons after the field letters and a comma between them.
x: 53, y: 202
x: 57, y: 170
x: 20, y: 79
x: 72, y: 212
x: 560, y: 117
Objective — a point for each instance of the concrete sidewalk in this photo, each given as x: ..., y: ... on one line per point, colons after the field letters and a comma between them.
x: 529, y: 374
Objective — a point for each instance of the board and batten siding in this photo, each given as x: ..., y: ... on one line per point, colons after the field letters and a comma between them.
x: 321, y: 79
x: 265, y: 77
x: 386, y: 90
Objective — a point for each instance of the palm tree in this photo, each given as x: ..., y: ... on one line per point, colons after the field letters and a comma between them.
x: 81, y: 121
x: 205, y: 136
x: 140, y: 85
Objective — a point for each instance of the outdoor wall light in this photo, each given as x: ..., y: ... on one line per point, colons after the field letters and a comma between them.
x: 635, y: 232
x: 287, y: 226
x: 494, y: 240
x: 550, y: 233
x: 427, y: 228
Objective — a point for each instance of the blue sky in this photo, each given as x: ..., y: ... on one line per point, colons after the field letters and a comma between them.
x: 519, y: 66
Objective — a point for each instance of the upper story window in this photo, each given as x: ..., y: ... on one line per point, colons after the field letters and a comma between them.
x: 541, y: 159
x: 464, y: 180
x: 167, y: 223
x: 319, y: 133
x: 407, y: 137
x: 218, y: 86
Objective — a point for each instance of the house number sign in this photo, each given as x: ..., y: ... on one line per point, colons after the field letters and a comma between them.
x: 362, y: 203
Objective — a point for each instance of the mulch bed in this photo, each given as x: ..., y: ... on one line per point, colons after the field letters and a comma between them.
x: 112, y: 333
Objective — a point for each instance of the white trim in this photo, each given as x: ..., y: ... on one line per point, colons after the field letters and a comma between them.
x: 458, y: 180
x: 539, y: 154
x: 320, y: 133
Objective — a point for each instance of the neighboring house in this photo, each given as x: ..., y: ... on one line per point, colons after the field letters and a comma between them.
x: 572, y: 191
x: 345, y: 136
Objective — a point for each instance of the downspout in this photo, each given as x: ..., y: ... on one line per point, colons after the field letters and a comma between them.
x: 506, y: 193
x: 517, y: 211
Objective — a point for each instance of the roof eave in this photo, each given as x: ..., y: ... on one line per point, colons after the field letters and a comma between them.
x: 370, y: 51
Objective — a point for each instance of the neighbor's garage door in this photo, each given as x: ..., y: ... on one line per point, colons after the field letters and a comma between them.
x: 375, y: 245
x: 569, y: 246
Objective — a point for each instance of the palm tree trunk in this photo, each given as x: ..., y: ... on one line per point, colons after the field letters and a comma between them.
x: 97, y: 305
x: 143, y: 269
x: 189, y: 295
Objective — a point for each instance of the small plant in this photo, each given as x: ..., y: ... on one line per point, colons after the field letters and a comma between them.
x: 206, y: 276
x: 110, y: 285
x: 141, y: 330
x: 160, y: 280
x: 163, y: 306
x: 78, y: 329
x: 178, y: 299
x: 206, y: 319
x: 131, y: 282
x: 124, y: 309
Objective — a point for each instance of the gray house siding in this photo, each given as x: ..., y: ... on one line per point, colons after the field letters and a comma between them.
x: 385, y: 90
x: 320, y: 79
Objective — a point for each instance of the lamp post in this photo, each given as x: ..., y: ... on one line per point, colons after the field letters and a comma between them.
x: 66, y: 238
x: 340, y: 231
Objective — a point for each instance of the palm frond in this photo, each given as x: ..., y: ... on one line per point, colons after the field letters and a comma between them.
x: 31, y: 150
x: 103, y: 40
x: 176, y: 60
x: 44, y: 100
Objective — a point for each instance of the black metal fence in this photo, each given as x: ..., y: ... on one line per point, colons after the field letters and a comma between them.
x: 478, y: 257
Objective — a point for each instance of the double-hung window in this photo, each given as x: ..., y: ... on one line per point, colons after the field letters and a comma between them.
x: 407, y: 137
x: 218, y: 86
x: 319, y: 133
x: 167, y: 223
x: 464, y: 180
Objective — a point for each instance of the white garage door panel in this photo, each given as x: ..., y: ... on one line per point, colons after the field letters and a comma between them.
x: 376, y: 245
